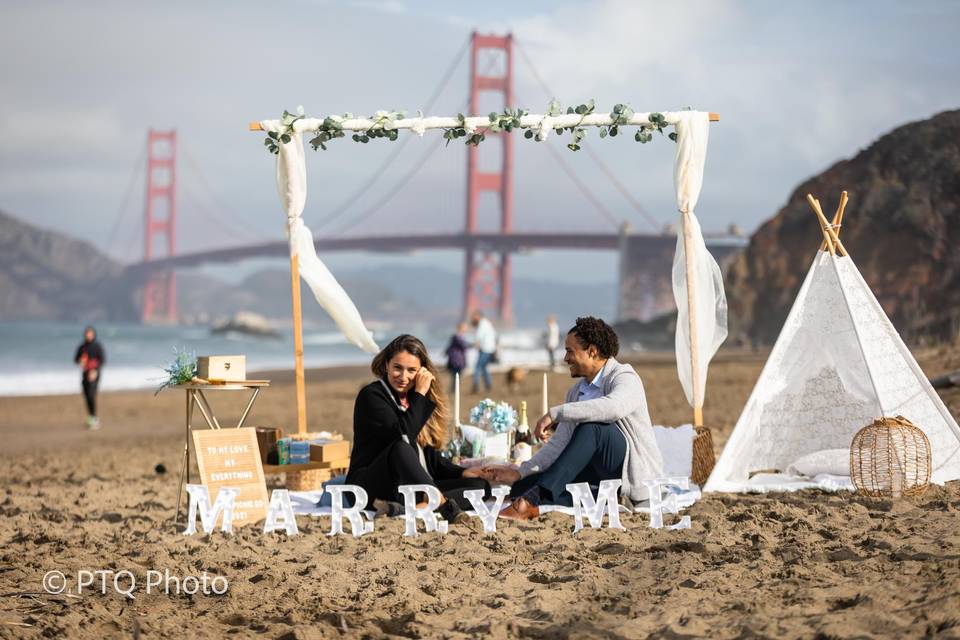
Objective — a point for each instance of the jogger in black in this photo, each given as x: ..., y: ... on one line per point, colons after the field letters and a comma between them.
x: 91, y: 358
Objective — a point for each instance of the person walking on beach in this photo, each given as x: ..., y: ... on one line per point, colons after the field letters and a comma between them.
x: 601, y: 432
x: 486, y: 343
x: 457, y: 351
x: 91, y: 358
x: 399, y: 429
x: 551, y: 340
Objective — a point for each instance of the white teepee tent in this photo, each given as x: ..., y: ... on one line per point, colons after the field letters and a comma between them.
x: 837, y: 365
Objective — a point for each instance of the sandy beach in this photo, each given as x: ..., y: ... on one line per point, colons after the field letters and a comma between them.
x: 802, y: 565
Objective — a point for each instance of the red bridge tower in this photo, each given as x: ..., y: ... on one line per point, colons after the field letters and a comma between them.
x: 160, y: 290
x: 487, y: 278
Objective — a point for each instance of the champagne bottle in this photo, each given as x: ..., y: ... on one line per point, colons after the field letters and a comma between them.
x: 523, y: 428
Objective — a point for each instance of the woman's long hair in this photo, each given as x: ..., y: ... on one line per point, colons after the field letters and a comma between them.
x: 434, y: 433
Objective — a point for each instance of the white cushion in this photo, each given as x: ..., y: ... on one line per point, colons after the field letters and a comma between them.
x: 833, y: 461
x: 676, y: 448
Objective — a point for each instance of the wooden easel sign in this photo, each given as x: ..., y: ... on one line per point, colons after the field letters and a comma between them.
x: 231, y: 458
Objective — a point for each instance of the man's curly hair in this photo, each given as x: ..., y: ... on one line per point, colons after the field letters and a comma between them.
x: 596, y: 332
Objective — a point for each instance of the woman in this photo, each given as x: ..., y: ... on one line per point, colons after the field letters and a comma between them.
x: 90, y: 356
x: 399, y: 428
x: 457, y: 351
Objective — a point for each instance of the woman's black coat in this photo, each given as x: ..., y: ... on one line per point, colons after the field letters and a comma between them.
x: 379, y: 423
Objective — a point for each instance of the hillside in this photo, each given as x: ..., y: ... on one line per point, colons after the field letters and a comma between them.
x: 902, y: 228
x: 46, y: 275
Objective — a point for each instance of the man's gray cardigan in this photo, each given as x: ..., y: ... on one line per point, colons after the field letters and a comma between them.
x: 624, y: 404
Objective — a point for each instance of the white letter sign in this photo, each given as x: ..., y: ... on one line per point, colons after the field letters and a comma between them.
x: 431, y: 521
x: 354, y: 514
x: 658, y: 505
x: 200, y: 500
x: 606, y: 501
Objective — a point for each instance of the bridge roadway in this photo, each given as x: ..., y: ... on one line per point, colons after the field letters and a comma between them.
x: 494, y: 242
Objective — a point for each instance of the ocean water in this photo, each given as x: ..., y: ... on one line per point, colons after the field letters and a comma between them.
x: 36, y: 358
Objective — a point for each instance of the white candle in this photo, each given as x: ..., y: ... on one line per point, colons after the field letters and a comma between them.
x: 456, y: 399
x: 545, y: 407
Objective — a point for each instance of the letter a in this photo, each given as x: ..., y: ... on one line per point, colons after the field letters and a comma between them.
x: 280, y: 514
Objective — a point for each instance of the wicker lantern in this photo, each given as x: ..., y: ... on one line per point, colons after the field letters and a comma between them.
x: 890, y: 458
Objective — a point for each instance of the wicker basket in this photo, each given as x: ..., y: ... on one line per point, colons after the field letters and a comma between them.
x: 309, y: 480
x: 890, y: 458
x: 703, y: 456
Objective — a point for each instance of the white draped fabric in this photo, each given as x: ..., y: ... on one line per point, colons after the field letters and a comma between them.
x: 710, y: 302
x: 292, y: 187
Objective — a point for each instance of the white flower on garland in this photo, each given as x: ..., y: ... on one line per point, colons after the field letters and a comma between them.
x: 418, y: 126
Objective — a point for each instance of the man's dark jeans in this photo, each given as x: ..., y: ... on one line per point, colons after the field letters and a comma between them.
x: 596, y: 452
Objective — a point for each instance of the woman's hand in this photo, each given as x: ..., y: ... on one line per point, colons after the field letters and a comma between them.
x: 500, y: 474
x: 474, y: 472
x: 422, y: 382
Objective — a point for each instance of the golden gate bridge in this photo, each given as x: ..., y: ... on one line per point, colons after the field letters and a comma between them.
x: 487, y: 254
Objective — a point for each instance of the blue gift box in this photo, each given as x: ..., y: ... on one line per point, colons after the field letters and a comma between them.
x: 299, y: 452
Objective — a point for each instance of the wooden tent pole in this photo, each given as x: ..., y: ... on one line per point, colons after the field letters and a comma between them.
x: 692, y: 319
x: 837, y: 219
x: 298, y: 343
x: 830, y: 236
x: 827, y: 240
x: 829, y: 233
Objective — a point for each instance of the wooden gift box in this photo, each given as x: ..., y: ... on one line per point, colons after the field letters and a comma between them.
x: 222, y: 368
x: 335, y: 452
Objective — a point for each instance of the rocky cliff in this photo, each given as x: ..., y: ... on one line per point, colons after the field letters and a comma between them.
x: 50, y: 276
x: 902, y: 228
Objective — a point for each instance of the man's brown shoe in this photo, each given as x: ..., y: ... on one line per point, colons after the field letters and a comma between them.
x: 520, y: 509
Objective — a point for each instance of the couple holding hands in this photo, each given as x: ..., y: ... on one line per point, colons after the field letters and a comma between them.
x: 602, y: 431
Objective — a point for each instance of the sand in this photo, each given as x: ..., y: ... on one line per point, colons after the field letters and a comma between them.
x: 802, y: 565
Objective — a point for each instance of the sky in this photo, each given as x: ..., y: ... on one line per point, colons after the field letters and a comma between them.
x: 799, y: 86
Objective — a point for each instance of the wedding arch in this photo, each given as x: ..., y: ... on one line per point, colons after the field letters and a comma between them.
x: 697, y: 280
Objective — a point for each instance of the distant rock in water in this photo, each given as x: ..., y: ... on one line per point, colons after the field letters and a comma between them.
x: 247, y: 323
x: 902, y: 229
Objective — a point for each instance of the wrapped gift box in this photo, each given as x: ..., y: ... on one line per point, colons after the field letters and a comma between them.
x: 492, y: 445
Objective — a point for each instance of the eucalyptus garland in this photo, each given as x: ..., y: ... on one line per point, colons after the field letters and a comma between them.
x: 384, y: 126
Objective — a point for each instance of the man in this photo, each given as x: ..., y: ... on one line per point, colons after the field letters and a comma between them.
x: 551, y: 339
x: 601, y: 432
x: 486, y: 344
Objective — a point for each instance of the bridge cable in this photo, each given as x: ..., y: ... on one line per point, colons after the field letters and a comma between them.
x: 118, y: 217
x: 364, y: 188
x: 389, y: 195
x: 582, y: 187
x: 191, y: 198
x: 239, y: 232
x: 640, y: 209
x: 405, y: 179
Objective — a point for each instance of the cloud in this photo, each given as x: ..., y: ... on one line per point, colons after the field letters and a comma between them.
x: 798, y: 86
